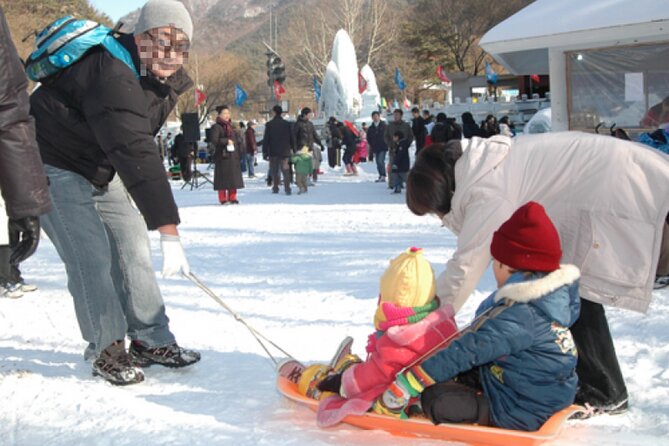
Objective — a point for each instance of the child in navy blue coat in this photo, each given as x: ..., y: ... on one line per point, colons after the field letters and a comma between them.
x: 515, y: 365
x: 400, y: 167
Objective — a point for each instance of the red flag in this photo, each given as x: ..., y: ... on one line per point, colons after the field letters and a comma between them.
x: 278, y: 90
x: 442, y: 75
x: 407, y: 103
x: 200, y: 97
x: 362, y: 83
x: 535, y: 78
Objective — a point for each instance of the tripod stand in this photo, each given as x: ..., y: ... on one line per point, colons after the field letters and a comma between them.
x: 197, y: 179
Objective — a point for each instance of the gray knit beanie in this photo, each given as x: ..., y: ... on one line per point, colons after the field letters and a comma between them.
x: 157, y: 13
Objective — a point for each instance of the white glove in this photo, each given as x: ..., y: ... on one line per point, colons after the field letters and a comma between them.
x: 174, y: 258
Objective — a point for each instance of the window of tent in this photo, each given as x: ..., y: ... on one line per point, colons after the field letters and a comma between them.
x: 619, y: 85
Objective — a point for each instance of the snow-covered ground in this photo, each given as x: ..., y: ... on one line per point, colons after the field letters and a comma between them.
x: 304, y: 271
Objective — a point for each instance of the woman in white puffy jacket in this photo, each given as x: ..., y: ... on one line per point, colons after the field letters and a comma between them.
x: 608, y: 199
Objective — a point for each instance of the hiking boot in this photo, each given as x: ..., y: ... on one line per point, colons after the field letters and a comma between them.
x: 11, y: 290
x: 27, y: 287
x: 661, y: 282
x: 169, y: 356
x: 592, y: 411
x: 115, y: 366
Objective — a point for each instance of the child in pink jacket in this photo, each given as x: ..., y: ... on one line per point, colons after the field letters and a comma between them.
x: 409, y: 323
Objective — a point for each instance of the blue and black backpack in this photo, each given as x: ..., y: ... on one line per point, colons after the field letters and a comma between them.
x: 65, y: 41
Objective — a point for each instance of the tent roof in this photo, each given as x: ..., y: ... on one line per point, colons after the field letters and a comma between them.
x: 521, y: 42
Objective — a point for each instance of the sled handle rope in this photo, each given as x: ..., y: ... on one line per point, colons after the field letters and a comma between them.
x: 473, y: 326
x: 256, y: 334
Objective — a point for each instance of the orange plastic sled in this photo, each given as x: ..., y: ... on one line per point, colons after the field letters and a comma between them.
x: 422, y: 428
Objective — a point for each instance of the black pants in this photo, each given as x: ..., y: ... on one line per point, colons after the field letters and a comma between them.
x: 458, y: 401
x: 601, y: 382
x: 278, y: 167
x: 8, y: 272
x: 186, y: 168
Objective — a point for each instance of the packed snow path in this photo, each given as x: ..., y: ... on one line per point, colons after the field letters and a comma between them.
x: 304, y: 271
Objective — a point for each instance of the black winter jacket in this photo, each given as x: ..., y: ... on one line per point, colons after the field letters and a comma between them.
x: 22, y: 178
x: 279, y: 139
x: 305, y: 134
x: 375, y: 134
x: 96, y: 118
x: 401, y: 162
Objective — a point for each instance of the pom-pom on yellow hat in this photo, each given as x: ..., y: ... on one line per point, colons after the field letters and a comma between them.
x: 408, y: 282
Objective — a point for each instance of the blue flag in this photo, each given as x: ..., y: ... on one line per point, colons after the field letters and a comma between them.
x: 399, y: 80
x: 490, y: 74
x: 396, y: 105
x: 317, y: 89
x: 240, y: 96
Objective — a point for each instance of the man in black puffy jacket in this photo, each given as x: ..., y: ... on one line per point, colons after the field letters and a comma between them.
x: 95, y: 126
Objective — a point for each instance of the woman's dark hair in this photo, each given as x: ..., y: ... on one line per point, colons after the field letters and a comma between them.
x: 431, y: 181
x: 467, y: 118
x: 504, y: 120
x: 441, y: 117
x: 220, y: 108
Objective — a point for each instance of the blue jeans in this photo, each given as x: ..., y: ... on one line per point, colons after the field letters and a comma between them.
x: 104, y: 244
x: 249, y: 159
x: 380, y: 158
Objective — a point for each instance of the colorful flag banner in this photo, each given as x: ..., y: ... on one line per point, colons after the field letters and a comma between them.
x: 200, y: 97
x: 240, y: 95
x: 535, y: 78
x: 278, y: 90
x: 362, y: 83
x: 396, y: 104
x: 317, y: 89
x: 384, y: 103
x: 490, y: 74
x: 399, y: 80
x: 442, y: 74
x: 407, y: 103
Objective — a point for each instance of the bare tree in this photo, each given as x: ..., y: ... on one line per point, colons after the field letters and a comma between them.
x: 448, y: 31
x: 369, y: 23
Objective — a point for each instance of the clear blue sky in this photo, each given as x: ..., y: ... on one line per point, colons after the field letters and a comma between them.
x: 116, y: 8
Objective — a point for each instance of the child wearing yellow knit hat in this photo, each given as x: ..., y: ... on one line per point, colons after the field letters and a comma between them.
x: 409, y: 322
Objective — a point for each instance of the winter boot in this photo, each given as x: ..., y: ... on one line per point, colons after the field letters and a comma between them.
x: 27, y: 287
x: 661, y: 282
x: 115, y: 366
x: 169, y: 356
x: 11, y: 290
x: 343, y: 350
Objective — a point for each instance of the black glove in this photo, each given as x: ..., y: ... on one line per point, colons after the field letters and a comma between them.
x: 330, y: 384
x: 322, y: 148
x: 23, y: 238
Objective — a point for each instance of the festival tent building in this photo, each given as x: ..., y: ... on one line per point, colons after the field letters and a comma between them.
x: 608, y: 60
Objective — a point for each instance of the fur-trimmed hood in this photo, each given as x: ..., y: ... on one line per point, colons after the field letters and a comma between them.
x: 555, y: 293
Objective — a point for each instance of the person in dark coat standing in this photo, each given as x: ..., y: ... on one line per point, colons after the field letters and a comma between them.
x: 305, y: 135
x: 377, y: 144
x: 96, y: 121
x: 334, y: 145
x: 469, y: 127
x: 418, y: 128
x: 278, y: 145
x: 184, y: 153
x: 251, y: 147
x: 227, y: 156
